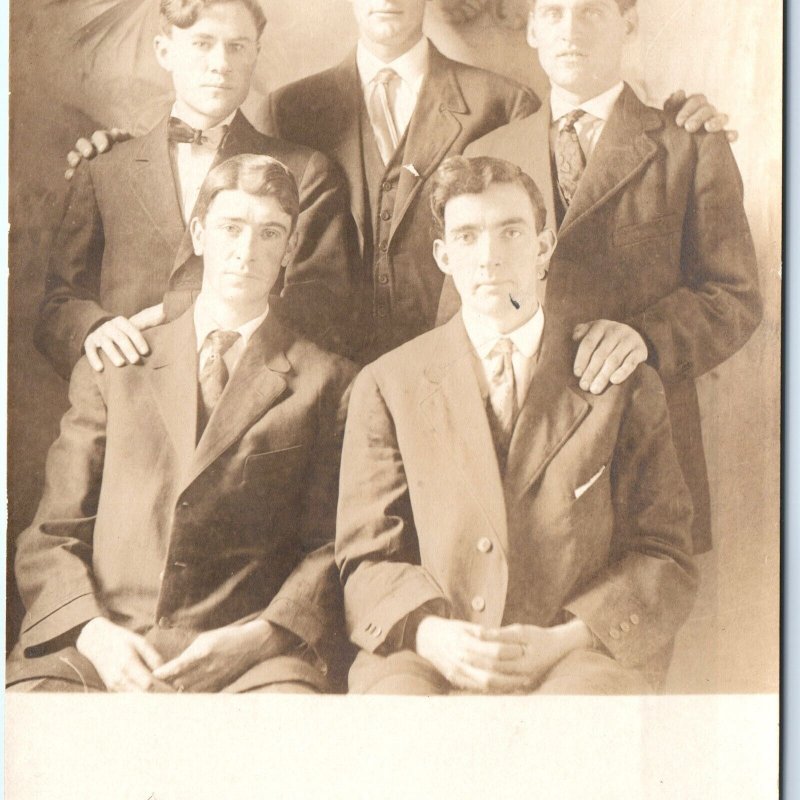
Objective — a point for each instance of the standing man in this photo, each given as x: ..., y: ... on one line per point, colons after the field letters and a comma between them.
x: 654, y: 260
x: 501, y: 529
x: 184, y: 539
x: 124, y: 241
x: 389, y: 114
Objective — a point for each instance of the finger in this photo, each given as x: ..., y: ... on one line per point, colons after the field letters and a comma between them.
x: 512, y: 634
x: 119, y: 135
x: 73, y: 158
x: 151, y: 657
x: 586, y: 349
x: 580, y: 331
x: 716, y: 122
x: 100, y: 141
x: 625, y: 370
x: 598, y: 359
x: 493, y: 650
x: 675, y: 101
x: 95, y: 362
x: 85, y: 148
x: 109, y: 348
x: 693, y: 103
x: 69, y: 173
x: 135, y: 675
x: 133, y: 335
x: 613, y: 361
x: 487, y: 680
x: 700, y: 117
x: 732, y: 136
x: 516, y: 666
x: 121, y: 340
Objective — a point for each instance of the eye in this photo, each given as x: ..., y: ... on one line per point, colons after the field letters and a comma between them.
x: 269, y: 234
x: 512, y: 233
x: 465, y: 237
x: 236, y: 47
x: 201, y: 44
x: 550, y: 14
x: 231, y: 229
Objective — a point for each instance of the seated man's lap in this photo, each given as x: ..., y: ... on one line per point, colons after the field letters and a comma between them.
x: 403, y: 672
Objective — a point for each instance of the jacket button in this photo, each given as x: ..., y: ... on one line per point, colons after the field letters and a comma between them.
x: 383, y: 312
x: 386, y: 215
x: 384, y: 279
x: 383, y: 246
x: 484, y: 545
x: 386, y: 186
x: 634, y: 618
x: 614, y: 633
x: 625, y: 626
x: 184, y: 504
x: 478, y: 603
x: 164, y: 622
x: 376, y: 631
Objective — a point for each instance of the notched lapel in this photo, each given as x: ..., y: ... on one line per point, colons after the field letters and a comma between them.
x: 433, y: 128
x: 154, y: 186
x: 623, y: 150
x: 173, y: 378
x: 455, y: 410
x: 256, y: 384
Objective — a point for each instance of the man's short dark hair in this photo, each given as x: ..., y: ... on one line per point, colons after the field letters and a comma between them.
x: 459, y: 175
x: 184, y: 13
x: 260, y: 176
x: 624, y: 5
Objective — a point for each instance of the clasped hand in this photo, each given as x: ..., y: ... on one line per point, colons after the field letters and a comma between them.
x: 514, y: 658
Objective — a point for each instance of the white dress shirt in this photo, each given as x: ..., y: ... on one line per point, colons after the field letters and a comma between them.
x: 204, y: 323
x: 412, y: 67
x: 591, y: 124
x: 193, y: 162
x: 526, y: 339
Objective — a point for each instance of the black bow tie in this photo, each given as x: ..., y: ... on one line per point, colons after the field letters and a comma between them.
x: 178, y: 131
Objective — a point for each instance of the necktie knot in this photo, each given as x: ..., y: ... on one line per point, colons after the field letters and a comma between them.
x: 571, y: 118
x: 385, y: 76
x: 501, y: 356
x: 218, y: 342
x: 181, y: 133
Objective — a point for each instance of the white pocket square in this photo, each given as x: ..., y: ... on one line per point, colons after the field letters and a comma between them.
x: 412, y: 169
x: 588, y: 485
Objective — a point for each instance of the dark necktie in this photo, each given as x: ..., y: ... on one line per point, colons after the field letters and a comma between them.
x: 570, y: 159
x: 213, y: 374
x: 380, y: 113
x: 181, y: 133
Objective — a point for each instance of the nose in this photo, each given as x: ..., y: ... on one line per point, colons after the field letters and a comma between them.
x: 245, y: 252
x: 488, y: 254
x: 218, y: 58
x: 568, y: 25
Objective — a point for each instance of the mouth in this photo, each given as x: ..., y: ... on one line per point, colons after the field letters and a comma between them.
x: 572, y: 55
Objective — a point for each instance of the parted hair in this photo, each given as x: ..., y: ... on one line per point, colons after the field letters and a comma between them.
x: 261, y: 176
x: 459, y: 175
x: 184, y: 13
x: 624, y: 5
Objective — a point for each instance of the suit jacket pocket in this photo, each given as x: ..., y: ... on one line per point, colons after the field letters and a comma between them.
x: 273, y: 465
x: 652, y: 229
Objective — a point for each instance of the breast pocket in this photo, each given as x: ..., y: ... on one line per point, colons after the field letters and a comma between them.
x: 264, y: 471
x: 667, y: 225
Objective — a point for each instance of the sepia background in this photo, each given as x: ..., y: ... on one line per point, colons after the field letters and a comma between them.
x: 81, y: 64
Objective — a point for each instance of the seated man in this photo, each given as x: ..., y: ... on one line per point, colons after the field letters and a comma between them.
x: 499, y: 528
x: 184, y: 540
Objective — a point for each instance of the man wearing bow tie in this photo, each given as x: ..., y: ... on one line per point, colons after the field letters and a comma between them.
x: 124, y: 243
x: 654, y: 262
x: 184, y: 541
x: 499, y: 528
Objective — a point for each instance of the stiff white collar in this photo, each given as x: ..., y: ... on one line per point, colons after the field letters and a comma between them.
x: 204, y: 323
x: 484, y: 336
x: 412, y: 66
x: 599, y: 107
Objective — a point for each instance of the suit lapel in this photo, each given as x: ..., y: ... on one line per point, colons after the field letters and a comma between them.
x: 454, y: 407
x: 431, y: 132
x: 624, y: 148
x: 153, y: 183
x: 257, y: 382
x: 536, y: 128
x: 551, y: 413
x: 173, y: 378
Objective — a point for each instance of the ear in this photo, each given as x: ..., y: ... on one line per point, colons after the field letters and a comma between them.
x: 440, y: 255
x: 547, y: 243
x: 196, y: 229
x: 631, y: 17
x: 291, y: 248
x: 162, y: 45
x: 530, y: 33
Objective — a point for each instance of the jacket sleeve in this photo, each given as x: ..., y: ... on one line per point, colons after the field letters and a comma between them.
x: 309, y: 603
x: 637, y: 603
x: 71, y: 309
x: 715, y: 311
x: 376, y: 543
x: 54, y: 555
x: 319, y: 285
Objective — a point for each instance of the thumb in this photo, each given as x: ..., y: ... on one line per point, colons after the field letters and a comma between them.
x: 580, y: 330
x: 675, y: 100
x: 148, y: 653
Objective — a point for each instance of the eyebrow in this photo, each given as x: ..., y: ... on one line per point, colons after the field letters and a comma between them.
x: 243, y: 221
x: 502, y: 224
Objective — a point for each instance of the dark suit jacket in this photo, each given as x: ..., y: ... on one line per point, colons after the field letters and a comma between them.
x: 593, y: 508
x: 457, y: 104
x: 123, y: 243
x: 138, y: 524
x: 655, y: 237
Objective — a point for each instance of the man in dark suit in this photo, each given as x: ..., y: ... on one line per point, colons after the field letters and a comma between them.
x: 139, y: 199
x: 654, y: 260
x: 499, y: 528
x: 389, y: 114
x: 184, y: 539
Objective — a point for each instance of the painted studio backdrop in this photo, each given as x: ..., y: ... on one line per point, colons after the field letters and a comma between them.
x: 77, y: 65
